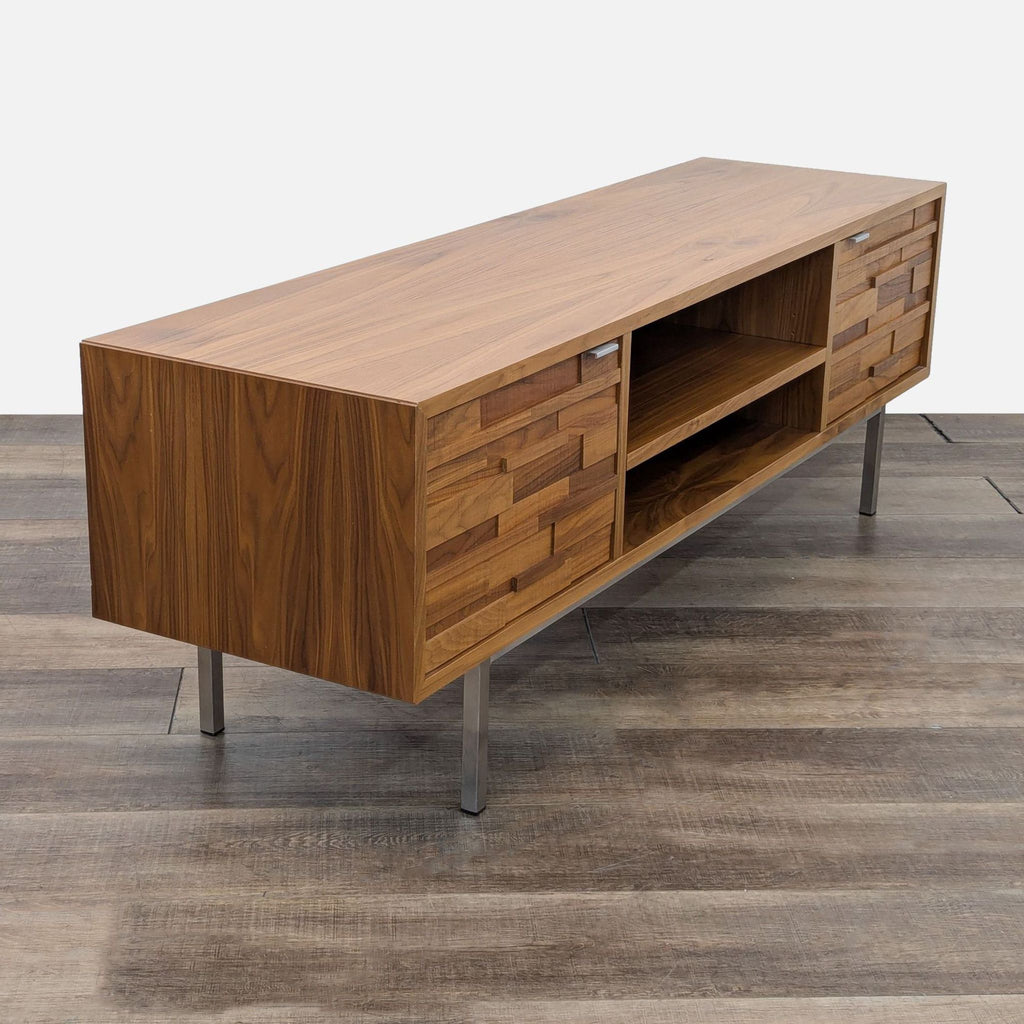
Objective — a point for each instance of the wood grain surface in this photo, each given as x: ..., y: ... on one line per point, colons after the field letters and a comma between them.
x: 528, y: 510
x: 730, y: 475
x: 240, y: 488
x: 982, y: 460
x: 682, y: 484
x: 697, y: 1010
x: 710, y: 375
x: 269, y: 520
x: 763, y: 803
x: 436, y: 322
x: 777, y: 843
x: 884, y: 288
x: 42, y: 462
x: 649, y: 944
x: 1005, y: 428
x: 790, y: 303
x: 45, y: 430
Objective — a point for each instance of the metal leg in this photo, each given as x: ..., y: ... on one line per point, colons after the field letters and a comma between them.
x: 211, y: 691
x: 872, y: 464
x: 475, y: 685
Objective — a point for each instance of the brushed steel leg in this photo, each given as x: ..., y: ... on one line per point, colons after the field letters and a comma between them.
x: 475, y: 686
x: 872, y: 464
x: 211, y: 691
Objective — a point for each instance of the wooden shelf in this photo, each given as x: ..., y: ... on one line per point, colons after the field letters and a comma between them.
x: 710, y: 375
x: 705, y: 474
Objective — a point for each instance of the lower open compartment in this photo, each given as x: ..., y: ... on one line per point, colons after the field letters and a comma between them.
x: 706, y: 472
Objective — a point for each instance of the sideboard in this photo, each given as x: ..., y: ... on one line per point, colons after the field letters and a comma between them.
x: 387, y: 473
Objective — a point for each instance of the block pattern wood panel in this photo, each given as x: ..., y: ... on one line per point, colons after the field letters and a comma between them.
x: 882, y: 308
x: 520, y: 498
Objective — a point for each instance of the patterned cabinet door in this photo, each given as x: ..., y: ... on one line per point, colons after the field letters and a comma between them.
x: 520, y: 498
x: 883, y: 304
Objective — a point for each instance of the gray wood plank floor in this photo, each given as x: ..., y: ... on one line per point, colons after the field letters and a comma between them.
x: 775, y: 776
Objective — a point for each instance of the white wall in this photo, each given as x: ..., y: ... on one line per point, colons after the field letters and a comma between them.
x: 158, y: 157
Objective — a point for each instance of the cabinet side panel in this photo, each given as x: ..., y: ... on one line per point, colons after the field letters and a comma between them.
x: 270, y: 520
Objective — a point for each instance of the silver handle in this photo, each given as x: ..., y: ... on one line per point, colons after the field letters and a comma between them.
x: 861, y: 236
x: 603, y: 350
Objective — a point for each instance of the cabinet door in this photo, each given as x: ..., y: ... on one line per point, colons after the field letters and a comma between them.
x: 884, y: 288
x: 520, y: 498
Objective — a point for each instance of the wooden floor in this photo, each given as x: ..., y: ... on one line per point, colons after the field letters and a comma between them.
x: 791, y: 790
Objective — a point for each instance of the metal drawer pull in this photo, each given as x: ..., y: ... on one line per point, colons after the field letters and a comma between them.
x: 861, y: 236
x: 603, y: 350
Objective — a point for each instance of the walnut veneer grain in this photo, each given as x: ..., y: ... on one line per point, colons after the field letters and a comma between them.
x: 385, y: 472
x: 266, y: 519
x: 449, y: 318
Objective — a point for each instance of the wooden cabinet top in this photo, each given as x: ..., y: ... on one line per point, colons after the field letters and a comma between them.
x: 443, y: 320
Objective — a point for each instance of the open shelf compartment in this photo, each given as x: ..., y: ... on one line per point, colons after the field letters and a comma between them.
x: 706, y: 472
x: 709, y: 375
x: 709, y: 360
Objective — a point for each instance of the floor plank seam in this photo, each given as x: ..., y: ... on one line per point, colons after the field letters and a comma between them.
x: 938, y: 430
x: 590, y: 636
x: 1004, y: 496
x: 174, y: 706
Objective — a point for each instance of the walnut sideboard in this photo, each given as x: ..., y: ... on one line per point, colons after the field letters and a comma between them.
x: 387, y: 473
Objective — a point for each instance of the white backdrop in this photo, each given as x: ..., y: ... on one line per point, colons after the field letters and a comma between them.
x: 160, y: 156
